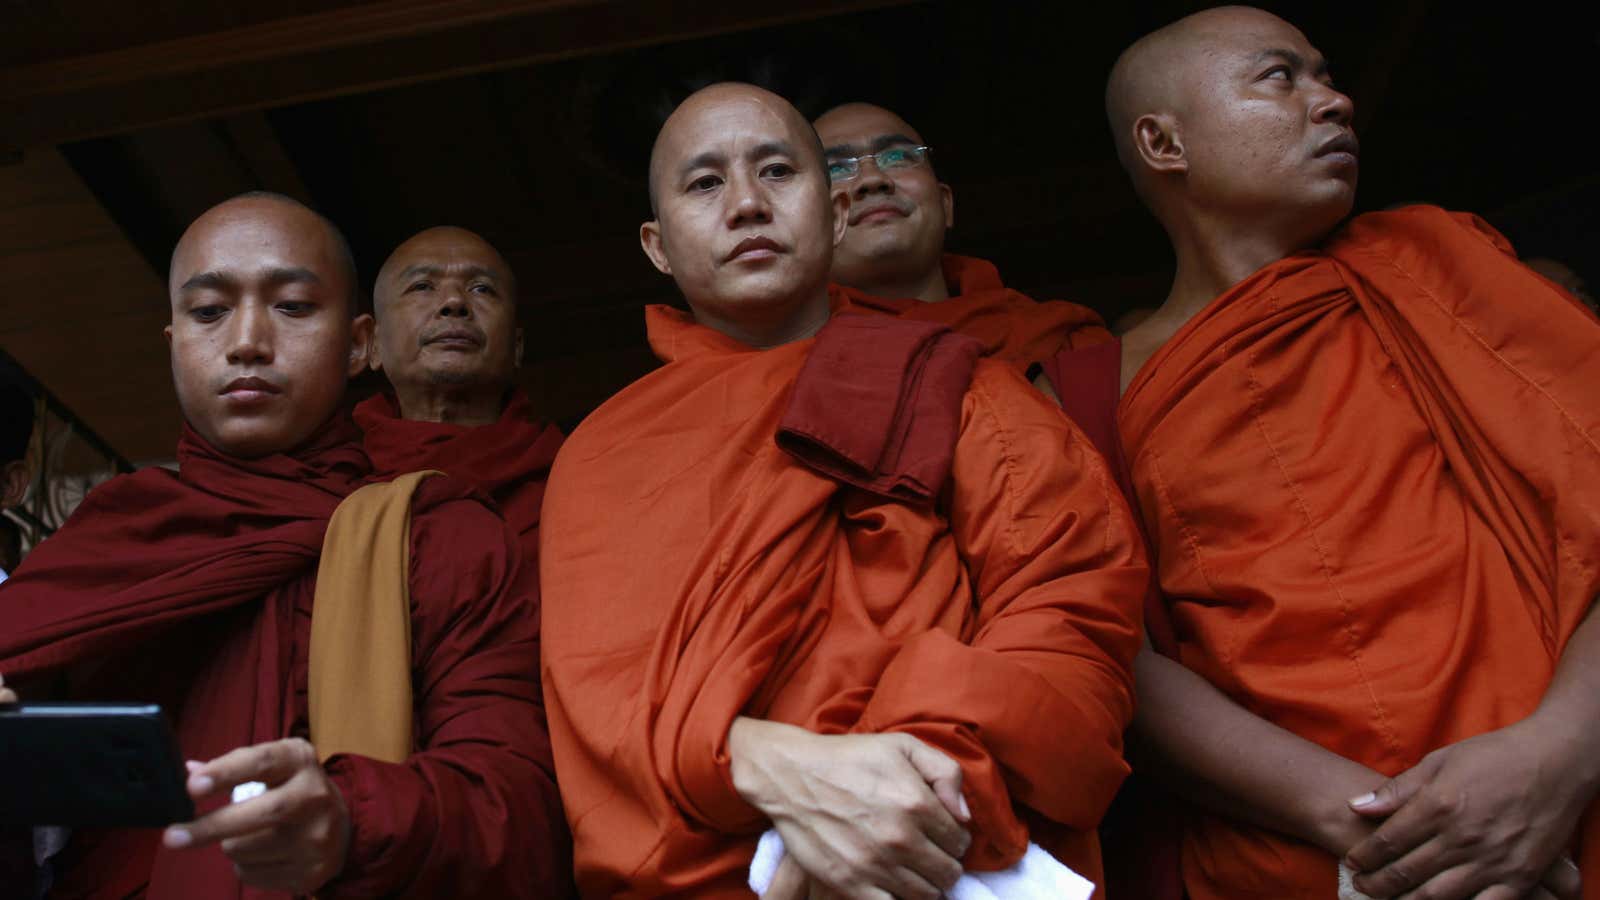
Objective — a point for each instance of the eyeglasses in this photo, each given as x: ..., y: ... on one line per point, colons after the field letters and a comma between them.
x: 845, y: 168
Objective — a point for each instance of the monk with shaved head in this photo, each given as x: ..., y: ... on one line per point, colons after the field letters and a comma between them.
x: 831, y: 602
x: 448, y: 341
x: 893, y: 260
x: 1368, y: 456
x: 354, y: 665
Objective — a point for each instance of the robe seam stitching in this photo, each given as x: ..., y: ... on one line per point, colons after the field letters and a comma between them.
x: 1481, y: 343
x: 1257, y: 418
x: 1008, y: 466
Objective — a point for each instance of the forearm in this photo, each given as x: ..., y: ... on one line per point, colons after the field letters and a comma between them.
x: 1570, y: 710
x: 1026, y: 714
x: 1235, y: 763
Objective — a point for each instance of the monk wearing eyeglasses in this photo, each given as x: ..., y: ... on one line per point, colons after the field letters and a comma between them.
x: 892, y: 260
x: 837, y: 577
x: 1368, y: 454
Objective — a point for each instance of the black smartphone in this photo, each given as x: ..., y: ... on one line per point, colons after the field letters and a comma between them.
x: 90, y: 764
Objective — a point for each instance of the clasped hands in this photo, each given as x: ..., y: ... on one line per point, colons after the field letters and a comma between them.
x: 1488, y: 818
x: 861, y: 816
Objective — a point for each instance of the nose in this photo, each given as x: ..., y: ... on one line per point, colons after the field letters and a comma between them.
x: 870, y: 179
x: 1333, y: 105
x: 747, y: 201
x: 251, y: 340
x: 454, y: 303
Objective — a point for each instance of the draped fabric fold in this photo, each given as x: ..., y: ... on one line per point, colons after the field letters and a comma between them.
x: 1013, y: 327
x: 508, y: 459
x: 1372, y: 476
x: 877, y: 405
x: 155, y: 554
x: 724, y: 578
x: 359, y: 678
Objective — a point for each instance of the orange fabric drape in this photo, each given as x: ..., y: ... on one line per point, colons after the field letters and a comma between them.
x: 1372, y: 479
x: 694, y: 571
x: 1013, y: 327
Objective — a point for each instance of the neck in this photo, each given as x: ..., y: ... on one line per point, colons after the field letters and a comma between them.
x: 1215, y: 253
x: 450, y: 404
x: 795, y: 323
x: 928, y: 286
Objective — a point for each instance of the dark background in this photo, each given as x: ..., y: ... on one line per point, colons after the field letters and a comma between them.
x: 530, y: 122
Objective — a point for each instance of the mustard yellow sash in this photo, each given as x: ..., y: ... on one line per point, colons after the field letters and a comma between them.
x: 360, y: 669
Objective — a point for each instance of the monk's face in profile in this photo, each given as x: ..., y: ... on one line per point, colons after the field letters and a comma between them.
x: 745, y: 222
x: 446, y: 308
x: 898, y: 214
x: 262, y: 337
x: 1261, y: 125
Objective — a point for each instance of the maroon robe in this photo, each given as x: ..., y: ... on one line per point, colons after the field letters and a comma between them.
x: 509, y: 459
x: 195, y: 590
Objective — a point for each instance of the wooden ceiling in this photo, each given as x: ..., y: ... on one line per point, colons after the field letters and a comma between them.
x: 529, y: 121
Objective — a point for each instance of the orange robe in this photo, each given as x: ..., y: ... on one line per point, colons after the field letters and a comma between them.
x: 1013, y: 327
x: 693, y: 571
x: 1071, y: 347
x: 1371, y: 477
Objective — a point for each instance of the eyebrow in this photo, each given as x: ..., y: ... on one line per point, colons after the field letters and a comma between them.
x: 712, y: 158
x: 1294, y: 59
x: 881, y: 142
x: 434, y: 271
x: 276, y: 275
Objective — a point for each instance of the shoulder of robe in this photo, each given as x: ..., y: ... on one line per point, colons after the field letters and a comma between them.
x: 454, y: 526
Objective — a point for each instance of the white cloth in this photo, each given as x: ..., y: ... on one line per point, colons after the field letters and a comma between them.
x: 1038, y: 876
x: 3, y: 576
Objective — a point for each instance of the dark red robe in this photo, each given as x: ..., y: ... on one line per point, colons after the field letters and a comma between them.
x: 195, y: 590
x: 509, y: 460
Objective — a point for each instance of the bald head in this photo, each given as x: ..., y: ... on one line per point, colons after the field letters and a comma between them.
x: 447, y: 336
x: 854, y: 116
x: 718, y: 101
x: 443, y: 241
x: 264, y: 330
x: 270, y: 207
x: 745, y: 221
x: 1232, y: 110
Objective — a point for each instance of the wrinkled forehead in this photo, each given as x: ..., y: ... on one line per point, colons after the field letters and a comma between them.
x: 447, y: 253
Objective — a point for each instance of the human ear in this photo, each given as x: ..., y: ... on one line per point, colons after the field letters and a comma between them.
x: 650, y: 241
x: 1159, y: 144
x: 362, y: 347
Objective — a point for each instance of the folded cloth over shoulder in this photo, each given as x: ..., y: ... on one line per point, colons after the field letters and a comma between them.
x: 878, y: 402
x: 1037, y: 876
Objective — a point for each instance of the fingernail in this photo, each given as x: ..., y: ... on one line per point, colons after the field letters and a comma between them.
x: 966, y: 811
x: 201, y: 784
x: 192, y: 764
x: 177, y: 838
x: 1364, y: 800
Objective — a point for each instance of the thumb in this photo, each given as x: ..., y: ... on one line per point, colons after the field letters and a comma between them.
x: 1389, y: 797
x: 942, y: 774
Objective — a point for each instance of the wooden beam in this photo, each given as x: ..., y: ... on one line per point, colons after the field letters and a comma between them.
x: 347, y: 51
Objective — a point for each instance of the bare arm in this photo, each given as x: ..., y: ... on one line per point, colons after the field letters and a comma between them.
x: 1229, y: 760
